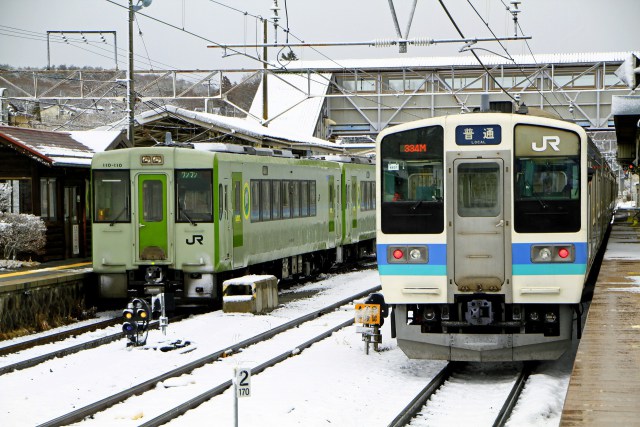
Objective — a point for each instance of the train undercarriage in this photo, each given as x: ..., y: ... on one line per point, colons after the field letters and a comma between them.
x: 482, y: 327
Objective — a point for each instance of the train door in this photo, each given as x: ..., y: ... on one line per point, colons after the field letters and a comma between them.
x: 225, y: 232
x: 152, y: 217
x: 478, y: 224
x: 72, y: 210
x: 240, y: 202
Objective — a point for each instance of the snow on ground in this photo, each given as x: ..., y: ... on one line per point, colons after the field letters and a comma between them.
x: 331, y: 383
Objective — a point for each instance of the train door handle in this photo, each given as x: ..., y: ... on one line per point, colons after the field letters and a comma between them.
x: 141, y: 225
x: 500, y: 224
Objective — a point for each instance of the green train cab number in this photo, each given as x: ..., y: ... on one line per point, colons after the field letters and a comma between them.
x: 112, y: 165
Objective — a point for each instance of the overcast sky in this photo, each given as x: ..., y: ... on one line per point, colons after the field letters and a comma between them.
x: 554, y: 25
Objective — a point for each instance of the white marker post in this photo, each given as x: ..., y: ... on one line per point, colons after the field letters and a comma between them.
x: 242, y: 388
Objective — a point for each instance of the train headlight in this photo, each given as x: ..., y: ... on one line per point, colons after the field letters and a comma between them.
x: 550, y: 317
x: 545, y: 254
x: 552, y: 253
x: 407, y: 254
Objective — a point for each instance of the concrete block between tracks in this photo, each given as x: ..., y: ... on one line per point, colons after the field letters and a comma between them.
x: 250, y: 294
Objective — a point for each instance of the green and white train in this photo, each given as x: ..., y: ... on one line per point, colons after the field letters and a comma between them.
x: 182, y: 220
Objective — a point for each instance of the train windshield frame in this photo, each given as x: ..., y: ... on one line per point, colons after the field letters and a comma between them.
x: 413, y: 181
x: 546, y: 180
x: 194, y: 195
x: 111, y: 196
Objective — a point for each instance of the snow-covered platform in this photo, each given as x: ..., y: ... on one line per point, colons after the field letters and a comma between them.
x: 605, y: 383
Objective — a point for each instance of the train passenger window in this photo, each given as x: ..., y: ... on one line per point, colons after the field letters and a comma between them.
x: 295, y: 199
x: 312, y: 198
x: 286, y: 200
x: 276, y: 205
x: 111, y: 196
x: 194, y: 196
x: 265, y: 200
x: 304, y: 198
x: 255, y: 200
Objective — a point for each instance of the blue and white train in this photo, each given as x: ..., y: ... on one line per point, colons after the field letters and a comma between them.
x: 487, y: 227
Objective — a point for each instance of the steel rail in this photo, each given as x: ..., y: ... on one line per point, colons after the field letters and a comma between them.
x: 514, y: 395
x: 80, y: 413
x: 412, y: 409
x: 59, y: 336
x: 221, y: 388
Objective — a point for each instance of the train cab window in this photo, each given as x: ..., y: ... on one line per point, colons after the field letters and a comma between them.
x: 111, y: 196
x: 413, y: 181
x: 547, y: 180
x: 194, y: 190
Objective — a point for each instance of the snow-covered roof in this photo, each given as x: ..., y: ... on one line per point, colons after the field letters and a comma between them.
x: 294, y: 101
x: 463, y: 60
x: 59, y: 148
x: 249, y: 127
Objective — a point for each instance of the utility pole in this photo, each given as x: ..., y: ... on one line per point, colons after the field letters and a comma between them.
x: 265, y: 100
x: 131, y: 100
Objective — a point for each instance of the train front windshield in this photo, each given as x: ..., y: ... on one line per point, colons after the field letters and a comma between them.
x: 412, y: 181
x: 111, y: 196
x: 193, y: 195
x: 547, y: 180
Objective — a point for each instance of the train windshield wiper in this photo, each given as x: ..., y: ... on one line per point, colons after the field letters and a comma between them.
x: 184, y: 212
x: 416, y: 206
x: 118, y: 216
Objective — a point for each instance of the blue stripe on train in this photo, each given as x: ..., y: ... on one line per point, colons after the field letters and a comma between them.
x: 521, y: 257
x: 437, y: 265
x: 522, y: 265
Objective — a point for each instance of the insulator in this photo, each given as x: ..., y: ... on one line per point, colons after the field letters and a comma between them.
x: 384, y: 42
x: 422, y: 42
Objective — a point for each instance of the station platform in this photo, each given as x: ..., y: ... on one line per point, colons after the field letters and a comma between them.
x: 45, y: 295
x: 43, y: 274
x: 604, y: 389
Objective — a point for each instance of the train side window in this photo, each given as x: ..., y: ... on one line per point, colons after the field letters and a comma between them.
x: 111, y: 192
x: 312, y: 198
x: 255, y: 200
x: 286, y: 199
x: 295, y: 199
x: 276, y: 202
x: 265, y: 200
x: 304, y: 198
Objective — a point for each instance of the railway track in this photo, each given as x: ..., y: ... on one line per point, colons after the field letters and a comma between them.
x: 150, y: 383
x: 458, y: 383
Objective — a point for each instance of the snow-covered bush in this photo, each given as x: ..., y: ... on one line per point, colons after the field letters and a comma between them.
x: 21, y: 233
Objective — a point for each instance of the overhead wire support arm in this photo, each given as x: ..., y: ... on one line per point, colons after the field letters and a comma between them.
x: 373, y: 43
